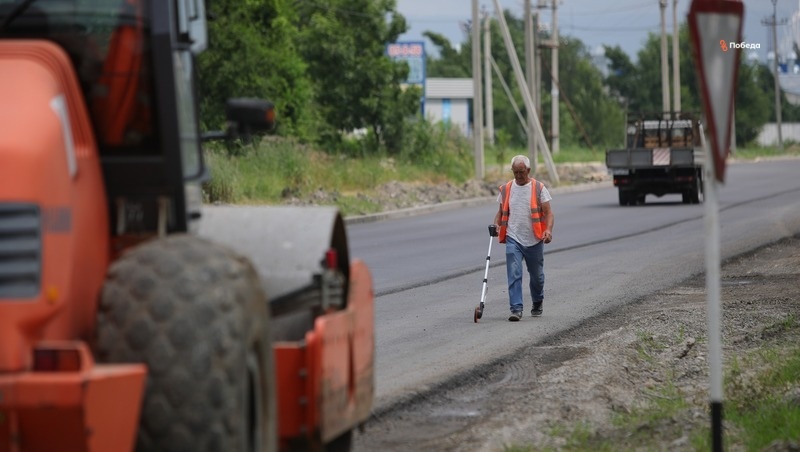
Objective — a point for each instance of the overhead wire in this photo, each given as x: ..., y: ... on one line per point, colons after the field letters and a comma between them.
x: 605, y: 11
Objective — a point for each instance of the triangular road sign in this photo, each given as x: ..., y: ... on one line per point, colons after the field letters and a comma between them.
x: 715, y: 27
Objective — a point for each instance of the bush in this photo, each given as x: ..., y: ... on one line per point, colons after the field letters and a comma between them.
x: 440, y: 148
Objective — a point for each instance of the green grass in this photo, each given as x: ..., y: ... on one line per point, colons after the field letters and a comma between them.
x: 225, y: 181
x: 279, y: 168
x: 763, y: 411
x: 665, y: 401
x: 646, y: 345
x: 759, y: 408
x: 752, y: 152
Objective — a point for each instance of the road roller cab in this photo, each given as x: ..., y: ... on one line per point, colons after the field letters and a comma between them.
x: 121, y: 326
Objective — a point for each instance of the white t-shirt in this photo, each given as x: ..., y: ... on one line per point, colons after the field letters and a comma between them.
x: 519, y: 218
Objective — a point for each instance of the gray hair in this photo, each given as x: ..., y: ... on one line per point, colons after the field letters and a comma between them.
x: 521, y: 158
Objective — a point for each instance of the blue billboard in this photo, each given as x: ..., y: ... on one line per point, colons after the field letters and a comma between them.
x: 413, y: 53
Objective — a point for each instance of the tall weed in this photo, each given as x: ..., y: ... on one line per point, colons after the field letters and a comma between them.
x: 223, y: 185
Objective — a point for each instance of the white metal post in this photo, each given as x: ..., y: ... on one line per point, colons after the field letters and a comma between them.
x: 717, y: 68
x: 710, y: 199
x: 775, y: 73
x: 487, y: 75
x: 477, y: 101
x: 676, y: 64
x: 555, y: 121
x: 664, y: 63
x: 529, y: 74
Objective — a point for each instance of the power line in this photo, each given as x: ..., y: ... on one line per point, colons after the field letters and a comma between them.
x: 435, y: 19
x: 611, y: 29
x: 606, y: 11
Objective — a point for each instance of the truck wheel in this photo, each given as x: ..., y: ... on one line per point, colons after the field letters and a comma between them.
x: 629, y: 197
x: 196, y: 314
x: 691, y: 196
x: 694, y: 196
x: 624, y: 197
x: 698, y: 188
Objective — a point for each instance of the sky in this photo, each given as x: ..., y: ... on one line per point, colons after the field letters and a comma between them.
x: 598, y: 22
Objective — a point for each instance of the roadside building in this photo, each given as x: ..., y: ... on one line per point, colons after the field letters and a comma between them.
x: 449, y: 100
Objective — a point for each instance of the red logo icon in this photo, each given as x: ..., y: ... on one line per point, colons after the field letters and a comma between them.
x: 723, y: 46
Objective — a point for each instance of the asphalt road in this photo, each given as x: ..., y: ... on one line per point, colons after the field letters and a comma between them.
x: 428, y: 269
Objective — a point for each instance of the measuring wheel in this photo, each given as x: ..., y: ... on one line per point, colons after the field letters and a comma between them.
x: 478, y: 313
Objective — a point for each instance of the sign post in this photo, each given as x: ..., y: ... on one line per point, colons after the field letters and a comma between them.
x: 713, y: 26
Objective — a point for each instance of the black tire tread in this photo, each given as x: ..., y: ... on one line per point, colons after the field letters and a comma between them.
x: 190, y: 309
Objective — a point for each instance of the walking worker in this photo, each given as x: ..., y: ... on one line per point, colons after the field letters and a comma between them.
x: 525, y: 223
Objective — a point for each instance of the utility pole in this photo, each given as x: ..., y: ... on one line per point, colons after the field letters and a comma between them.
x: 676, y: 65
x: 554, y: 94
x: 529, y: 76
x: 526, y: 95
x: 487, y: 74
x: 664, y: 64
x: 537, y: 72
x: 733, y: 128
x: 477, y: 102
x: 774, y: 23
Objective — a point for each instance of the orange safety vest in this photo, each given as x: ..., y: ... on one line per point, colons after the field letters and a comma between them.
x: 537, y: 217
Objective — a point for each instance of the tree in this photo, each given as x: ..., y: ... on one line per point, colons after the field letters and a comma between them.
x: 591, y: 117
x: 357, y: 85
x: 451, y: 62
x: 252, y: 52
x: 753, y: 104
x: 645, y: 85
x: 622, y: 78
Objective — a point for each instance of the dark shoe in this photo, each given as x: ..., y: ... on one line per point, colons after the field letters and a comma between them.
x: 537, y: 309
x: 515, y: 316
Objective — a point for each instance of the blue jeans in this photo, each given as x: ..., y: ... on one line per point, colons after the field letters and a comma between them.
x: 534, y: 260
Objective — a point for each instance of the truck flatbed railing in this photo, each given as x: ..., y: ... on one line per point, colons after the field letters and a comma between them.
x: 653, y: 157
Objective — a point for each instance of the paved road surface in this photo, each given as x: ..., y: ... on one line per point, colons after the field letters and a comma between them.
x: 428, y: 269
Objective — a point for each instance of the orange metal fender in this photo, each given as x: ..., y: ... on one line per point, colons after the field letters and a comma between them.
x: 93, y: 408
x: 325, y: 384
